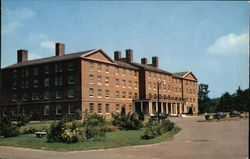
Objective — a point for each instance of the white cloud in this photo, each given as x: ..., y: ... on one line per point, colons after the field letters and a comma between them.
x: 48, y: 45
x: 231, y: 44
x: 39, y: 36
x: 33, y: 56
x: 15, y: 19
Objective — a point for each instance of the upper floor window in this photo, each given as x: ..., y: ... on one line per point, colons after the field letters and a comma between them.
x: 14, y: 98
x: 91, y: 107
x: 99, y: 80
x: 35, y: 96
x: 58, y: 94
x: 70, y: 66
x: 46, y: 82
x: 91, y: 66
x: 99, y: 67
x: 99, y: 93
x: 46, y: 95
x: 46, y: 69
x: 58, y: 81
x: 107, y: 80
x: 123, y: 72
x: 117, y: 94
x: 117, y: 107
x: 91, y: 79
x: 107, y: 108
x: 117, y: 82
x: 124, y: 95
x: 71, y: 79
x: 72, y: 108
x: 149, y: 85
x: 99, y: 108
x: 35, y: 83
x: 25, y: 72
x: 58, y: 68
x: 123, y: 83
x: 14, y: 86
x: 130, y: 95
x: 25, y: 97
x: 14, y: 73
x: 71, y: 93
x: 135, y: 73
x: 129, y: 84
x: 35, y: 71
x: 136, y: 85
x: 106, y: 68
x: 46, y: 110
x: 58, y: 109
x: 91, y: 92
x: 107, y: 93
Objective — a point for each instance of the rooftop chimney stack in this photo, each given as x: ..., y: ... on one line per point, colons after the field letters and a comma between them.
x: 22, y: 55
x: 144, y: 61
x: 60, y: 49
x: 155, y: 61
x: 129, y: 55
x: 117, y: 55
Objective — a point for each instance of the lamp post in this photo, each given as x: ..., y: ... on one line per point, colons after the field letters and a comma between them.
x: 158, y: 95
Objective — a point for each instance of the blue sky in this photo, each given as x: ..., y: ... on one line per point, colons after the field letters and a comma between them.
x: 208, y: 38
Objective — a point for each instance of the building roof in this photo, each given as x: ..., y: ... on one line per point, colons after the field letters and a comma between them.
x: 150, y: 68
x: 126, y: 65
x: 182, y: 74
x: 51, y: 59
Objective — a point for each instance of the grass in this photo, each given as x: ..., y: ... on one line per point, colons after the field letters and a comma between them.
x: 112, y: 139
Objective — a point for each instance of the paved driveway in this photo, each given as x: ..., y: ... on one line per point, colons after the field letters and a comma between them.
x: 197, y: 140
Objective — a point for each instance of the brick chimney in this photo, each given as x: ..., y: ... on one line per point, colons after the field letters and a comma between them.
x: 155, y: 61
x: 129, y: 55
x: 60, y: 49
x: 22, y: 55
x: 117, y: 55
x: 144, y: 61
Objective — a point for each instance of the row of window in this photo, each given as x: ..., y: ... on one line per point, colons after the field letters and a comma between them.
x: 57, y: 81
x: 107, y: 107
x: 190, y: 100
x: 190, y: 91
x: 118, y: 71
x: 107, y: 94
x: 46, y: 70
x: 71, y: 109
x: 46, y: 95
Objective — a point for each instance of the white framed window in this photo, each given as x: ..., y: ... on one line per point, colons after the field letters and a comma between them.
x: 117, y: 94
x: 91, y: 66
x: 14, y: 86
x: 123, y: 83
x: 46, y: 69
x: 58, y: 81
x: 123, y: 95
x: 107, y: 108
x: 58, y: 94
x: 25, y: 97
x: 107, y: 93
x: 99, y: 67
x: 91, y: 107
x: 35, y: 96
x: 129, y: 84
x: 71, y: 93
x: 71, y: 79
x: 136, y: 85
x: 117, y: 107
x: 117, y: 82
x: 106, y: 68
x: 106, y: 80
x: 99, y: 80
x: 58, y: 68
x: 99, y: 110
x: 72, y: 108
x: 130, y: 95
x: 99, y: 93
x: 46, y: 82
x: 91, y: 79
x: 35, y: 83
x: 46, y: 110
x: 70, y: 67
x: 46, y: 95
x: 91, y: 92
x: 23, y: 84
x: 58, y: 109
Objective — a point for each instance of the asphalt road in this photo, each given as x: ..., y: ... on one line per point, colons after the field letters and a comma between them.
x: 196, y: 140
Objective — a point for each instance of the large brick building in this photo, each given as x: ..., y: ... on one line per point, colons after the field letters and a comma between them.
x: 91, y: 80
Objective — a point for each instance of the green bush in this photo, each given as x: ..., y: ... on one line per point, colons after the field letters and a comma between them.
x: 127, y: 122
x: 154, y: 129
x: 32, y: 129
x: 7, y: 128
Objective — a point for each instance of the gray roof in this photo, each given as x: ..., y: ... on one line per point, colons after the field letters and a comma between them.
x: 49, y: 59
x: 126, y: 65
x: 181, y: 73
x: 150, y: 68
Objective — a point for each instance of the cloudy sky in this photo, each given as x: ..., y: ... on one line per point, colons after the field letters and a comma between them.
x: 208, y: 38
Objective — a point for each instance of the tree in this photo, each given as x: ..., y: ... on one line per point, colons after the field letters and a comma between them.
x: 226, y: 103
x: 203, y: 99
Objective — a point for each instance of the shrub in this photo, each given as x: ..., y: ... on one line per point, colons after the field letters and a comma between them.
x: 7, y: 129
x: 128, y: 122
x: 154, y: 129
x: 32, y: 129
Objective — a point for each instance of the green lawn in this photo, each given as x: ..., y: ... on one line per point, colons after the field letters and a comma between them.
x: 112, y: 139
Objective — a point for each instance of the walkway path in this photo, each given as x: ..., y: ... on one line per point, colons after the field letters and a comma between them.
x: 197, y: 140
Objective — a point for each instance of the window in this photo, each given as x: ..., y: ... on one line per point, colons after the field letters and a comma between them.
x: 117, y: 107
x: 176, y: 90
x: 25, y: 97
x: 58, y: 109
x: 136, y: 85
x: 99, y: 80
x: 117, y: 82
x: 71, y: 79
x: 91, y: 79
x: 129, y: 84
x: 46, y: 110
x: 135, y: 73
x: 99, y: 93
x: 123, y: 83
x: 123, y: 72
x: 154, y: 86
x: 91, y: 66
x: 179, y: 90
x: 46, y: 69
x: 149, y: 85
x: 35, y: 96
x: 99, y: 108
x: 107, y: 108
x: 117, y: 70
x: 35, y: 71
x: 14, y: 98
x: 117, y: 94
x: 193, y: 100
x: 91, y: 92
x: 72, y: 108
x: 46, y: 95
x: 58, y: 68
x: 99, y: 67
x: 107, y: 80
x: 58, y: 94
x: 35, y: 83
x: 14, y: 85
x: 23, y: 84
x: 123, y: 95
x: 107, y: 93
x: 136, y: 96
x: 70, y: 67
x: 71, y: 93
x: 130, y: 95
x: 14, y: 73
x: 46, y: 82
x: 26, y: 72
x: 58, y: 81
x: 91, y: 107
x: 107, y: 68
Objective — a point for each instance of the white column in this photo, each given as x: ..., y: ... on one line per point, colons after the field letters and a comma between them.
x: 150, y: 108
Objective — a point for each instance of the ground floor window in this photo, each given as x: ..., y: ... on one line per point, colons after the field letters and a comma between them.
x: 91, y: 107
x: 46, y: 110
x: 99, y: 108
x: 72, y: 108
x: 58, y: 109
x: 117, y: 107
x: 107, y: 108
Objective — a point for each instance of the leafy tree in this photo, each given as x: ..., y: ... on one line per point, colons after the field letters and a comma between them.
x: 203, y: 99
